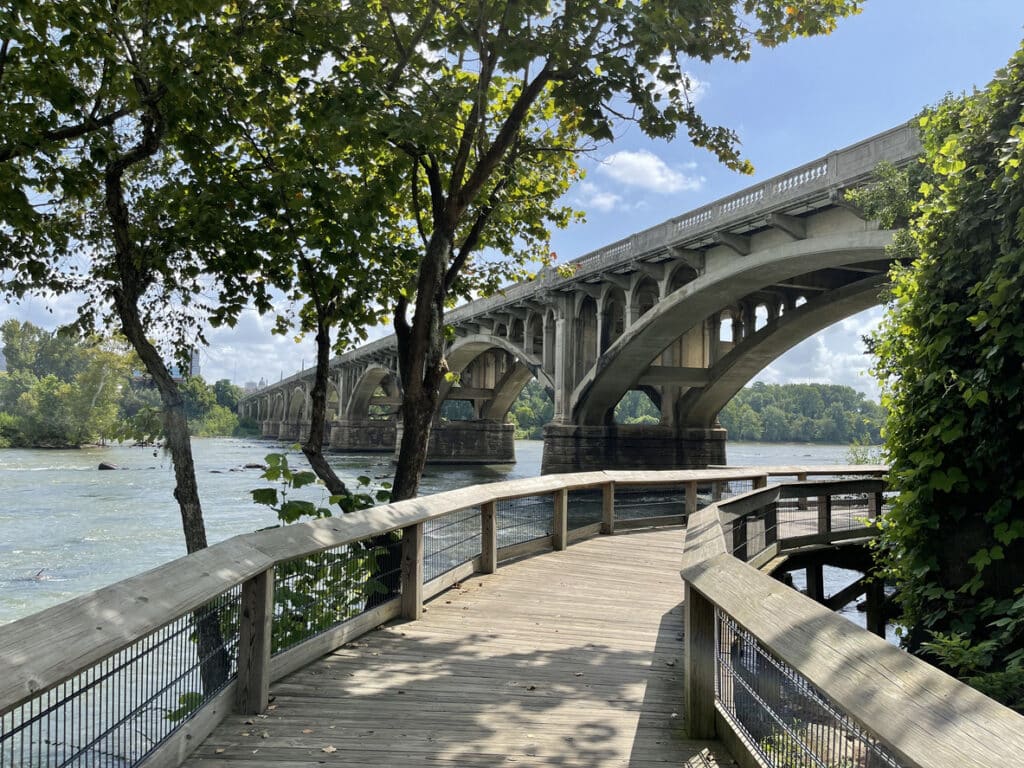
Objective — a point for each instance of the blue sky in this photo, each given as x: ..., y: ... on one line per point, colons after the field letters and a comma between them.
x: 789, y: 106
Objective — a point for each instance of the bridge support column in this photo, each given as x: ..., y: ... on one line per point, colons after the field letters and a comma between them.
x: 295, y: 431
x: 270, y: 428
x: 363, y: 436
x: 572, y: 448
x: 469, y: 442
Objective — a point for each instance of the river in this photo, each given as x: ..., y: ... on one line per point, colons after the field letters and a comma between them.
x: 67, y: 528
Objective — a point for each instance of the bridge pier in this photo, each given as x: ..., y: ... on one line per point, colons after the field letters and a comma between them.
x: 469, y: 442
x: 572, y: 448
x: 270, y: 428
x: 294, y: 431
x: 363, y: 436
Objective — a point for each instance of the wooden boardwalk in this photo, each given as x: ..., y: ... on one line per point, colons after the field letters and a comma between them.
x: 570, y: 659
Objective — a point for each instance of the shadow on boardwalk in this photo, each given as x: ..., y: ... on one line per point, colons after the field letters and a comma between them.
x: 565, y: 659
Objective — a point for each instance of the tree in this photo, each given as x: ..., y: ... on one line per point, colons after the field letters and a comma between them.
x: 494, y: 101
x: 102, y: 107
x: 950, y: 355
x: 227, y: 394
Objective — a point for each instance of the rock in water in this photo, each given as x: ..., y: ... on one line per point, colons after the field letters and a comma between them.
x: 108, y: 465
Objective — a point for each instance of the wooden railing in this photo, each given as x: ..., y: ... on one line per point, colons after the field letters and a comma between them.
x: 783, y: 681
x: 146, y: 668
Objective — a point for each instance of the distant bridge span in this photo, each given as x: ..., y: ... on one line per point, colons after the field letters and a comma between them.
x: 689, y: 311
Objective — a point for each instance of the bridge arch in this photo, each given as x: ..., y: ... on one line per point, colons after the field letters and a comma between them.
x: 621, y: 366
x: 374, y: 377
x: 465, y: 351
x: 297, y: 405
x: 699, y: 407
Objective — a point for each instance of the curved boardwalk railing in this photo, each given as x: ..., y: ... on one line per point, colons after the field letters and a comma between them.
x: 139, y: 672
x: 785, y: 682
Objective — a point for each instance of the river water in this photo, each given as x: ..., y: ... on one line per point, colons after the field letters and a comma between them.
x: 67, y: 528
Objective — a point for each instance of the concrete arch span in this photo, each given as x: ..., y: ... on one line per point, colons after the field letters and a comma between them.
x: 362, y: 394
x: 467, y: 349
x: 625, y: 361
x: 699, y: 407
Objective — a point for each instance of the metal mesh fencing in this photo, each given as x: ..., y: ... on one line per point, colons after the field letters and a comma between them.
x: 525, y: 519
x: 114, y: 713
x: 320, y: 591
x: 724, y: 489
x: 586, y: 507
x: 450, y: 541
x: 639, y: 502
x: 788, y: 721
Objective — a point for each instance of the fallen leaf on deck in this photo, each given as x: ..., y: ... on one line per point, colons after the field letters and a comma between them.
x: 330, y: 748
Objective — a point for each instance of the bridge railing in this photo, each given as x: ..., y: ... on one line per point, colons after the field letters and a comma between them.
x: 138, y: 673
x: 785, y: 682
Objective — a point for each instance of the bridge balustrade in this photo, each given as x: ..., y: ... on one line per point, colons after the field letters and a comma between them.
x: 784, y: 681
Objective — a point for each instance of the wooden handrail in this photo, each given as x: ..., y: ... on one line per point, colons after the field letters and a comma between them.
x: 88, y: 629
x: 922, y: 715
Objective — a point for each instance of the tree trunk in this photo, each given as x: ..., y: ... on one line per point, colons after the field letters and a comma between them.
x: 421, y: 366
x: 313, y: 448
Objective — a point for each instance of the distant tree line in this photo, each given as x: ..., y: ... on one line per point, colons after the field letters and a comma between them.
x: 802, y: 413
x: 60, y: 391
x: 820, y: 413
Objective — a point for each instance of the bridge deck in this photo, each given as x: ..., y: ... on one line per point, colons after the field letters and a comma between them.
x: 565, y: 659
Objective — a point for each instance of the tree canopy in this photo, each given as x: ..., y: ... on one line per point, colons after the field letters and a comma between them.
x: 950, y: 360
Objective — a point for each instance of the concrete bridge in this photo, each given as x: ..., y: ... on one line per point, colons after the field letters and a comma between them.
x: 687, y: 311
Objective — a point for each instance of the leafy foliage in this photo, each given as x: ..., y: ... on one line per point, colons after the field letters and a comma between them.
x: 802, y: 413
x: 950, y: 356
x: 59, y: 391
x: 317, y: 592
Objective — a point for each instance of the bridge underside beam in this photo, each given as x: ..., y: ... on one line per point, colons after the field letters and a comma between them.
x: 573, y: 448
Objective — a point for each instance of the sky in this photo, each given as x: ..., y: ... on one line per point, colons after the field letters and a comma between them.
x: 789, y: 106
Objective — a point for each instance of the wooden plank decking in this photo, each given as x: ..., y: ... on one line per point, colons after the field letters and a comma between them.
x: 570, y: 659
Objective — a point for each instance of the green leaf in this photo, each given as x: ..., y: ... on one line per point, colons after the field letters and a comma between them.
x: 267, y: 496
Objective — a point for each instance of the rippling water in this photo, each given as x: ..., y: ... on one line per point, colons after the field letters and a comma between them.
x: 67, y: 528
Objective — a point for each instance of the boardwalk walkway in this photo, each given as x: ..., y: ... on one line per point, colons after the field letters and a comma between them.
x: 570, y: 659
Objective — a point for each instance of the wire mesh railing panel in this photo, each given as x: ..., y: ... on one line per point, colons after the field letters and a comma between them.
x: 788, y: 721
x: 450, y: 541
x: 315, y: 593
x: 639, y: 502
x: 116, y: 712
x: 525, y: 519
x: 724, y: 489
x: 849, y: 511
x: 586, y: 507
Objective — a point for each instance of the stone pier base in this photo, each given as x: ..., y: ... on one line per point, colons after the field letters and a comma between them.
x: 469, y: 442
x: 270, y: 429
x: 367, y: 436
x: 293, y: 431
x: 570, y: 448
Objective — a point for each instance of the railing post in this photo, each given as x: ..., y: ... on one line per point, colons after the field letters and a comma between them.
x: 802, y: 502
x: 559, y: 526
x: 255, y: 628
x: 608, y: 509
x: 691, y: 497
x: 488, y: 537
x: 875, y: 502
x: 716, y: 489
x: 739, y: 538
x: 412, y: 571
x: 700, y: 664
x: 761, y: 481
x: 771, y: 524
x: 824, y: 514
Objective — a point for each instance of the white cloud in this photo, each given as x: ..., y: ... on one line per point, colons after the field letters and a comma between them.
x: 646, y: 170
x: 834, y: 356
x: 593, y: 197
